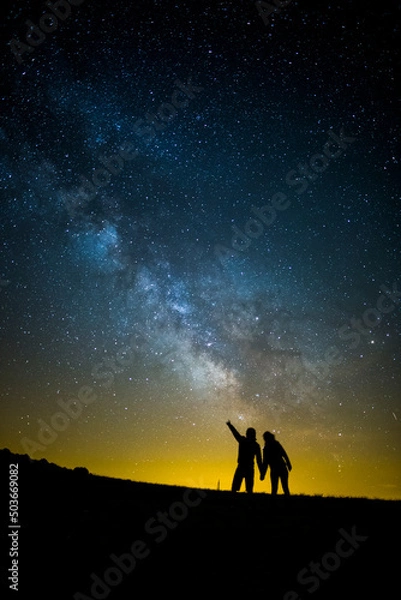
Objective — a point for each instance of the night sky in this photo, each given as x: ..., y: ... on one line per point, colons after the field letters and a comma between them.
x: 201, y: 222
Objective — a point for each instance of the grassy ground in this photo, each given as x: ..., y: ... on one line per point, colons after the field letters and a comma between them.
x: 84, y: 536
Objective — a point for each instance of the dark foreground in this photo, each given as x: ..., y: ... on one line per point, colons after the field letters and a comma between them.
x: 84, y: 536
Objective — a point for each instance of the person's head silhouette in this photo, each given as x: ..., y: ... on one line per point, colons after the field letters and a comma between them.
x: 268, y: 437
x: 251, y: 433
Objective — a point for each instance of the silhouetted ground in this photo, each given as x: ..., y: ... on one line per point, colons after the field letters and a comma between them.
x: 73, y: 523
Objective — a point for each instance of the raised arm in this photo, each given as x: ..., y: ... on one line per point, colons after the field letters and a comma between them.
x: 235, y: 433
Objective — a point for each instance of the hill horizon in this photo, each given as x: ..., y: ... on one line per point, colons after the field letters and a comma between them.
x: 84, y: 536
x: 82, y: 468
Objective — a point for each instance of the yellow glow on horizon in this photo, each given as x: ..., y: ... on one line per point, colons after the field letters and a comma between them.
x: 310, y: 476
x: 196, y: 451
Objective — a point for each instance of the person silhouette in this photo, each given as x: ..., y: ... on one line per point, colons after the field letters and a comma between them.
x: 276, y: 457
x: 248, y: 449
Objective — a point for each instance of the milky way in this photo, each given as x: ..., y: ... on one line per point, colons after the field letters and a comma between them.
x: 214, y: 190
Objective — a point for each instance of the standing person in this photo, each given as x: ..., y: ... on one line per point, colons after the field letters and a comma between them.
x: 248, y: 449
x: 276, y: 457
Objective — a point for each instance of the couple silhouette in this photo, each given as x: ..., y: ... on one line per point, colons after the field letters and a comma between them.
x: 274, y: 456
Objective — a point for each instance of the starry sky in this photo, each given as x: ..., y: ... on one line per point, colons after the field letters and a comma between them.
x: 201, y: 222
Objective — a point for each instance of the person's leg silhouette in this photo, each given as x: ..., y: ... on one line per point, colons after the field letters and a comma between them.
x: 249, y: 479
x: 284, y: 482
x: 237, y: 480
x: 274, y: 482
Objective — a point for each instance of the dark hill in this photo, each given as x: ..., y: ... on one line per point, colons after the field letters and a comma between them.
x: 87, y: 536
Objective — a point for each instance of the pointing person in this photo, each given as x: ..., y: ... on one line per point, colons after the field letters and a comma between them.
x: 248, y: 449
